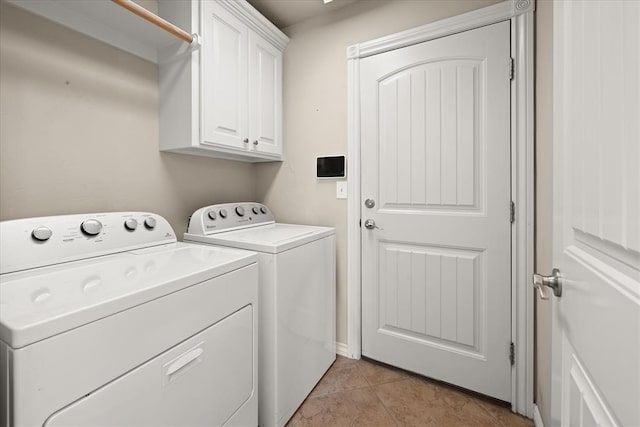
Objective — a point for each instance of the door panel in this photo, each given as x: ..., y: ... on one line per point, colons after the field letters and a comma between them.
x: 224, y: 77
x: 265, y: 89
x: 596, y: 321
x: 436, y: 291
x: 431, y: 294
x: 430, y: 128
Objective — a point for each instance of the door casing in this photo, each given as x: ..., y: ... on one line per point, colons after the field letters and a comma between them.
x: 520, y: 12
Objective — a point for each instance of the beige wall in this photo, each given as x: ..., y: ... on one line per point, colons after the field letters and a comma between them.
x: 79, y: 132
x: 315, y: 112
x: 544, y: 123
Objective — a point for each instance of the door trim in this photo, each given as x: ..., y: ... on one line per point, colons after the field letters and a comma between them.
x: 520, y: 13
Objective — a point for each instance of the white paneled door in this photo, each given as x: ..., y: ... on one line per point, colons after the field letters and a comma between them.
x: 436, y: 266
x: 596, y: 320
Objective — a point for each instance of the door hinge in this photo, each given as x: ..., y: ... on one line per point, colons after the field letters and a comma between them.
x: 512, y: 354
x: 512, y: 67
x: 513, y: 212
x: 360, y: 223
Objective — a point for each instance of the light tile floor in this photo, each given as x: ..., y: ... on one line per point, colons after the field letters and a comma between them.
x: 367, y: 393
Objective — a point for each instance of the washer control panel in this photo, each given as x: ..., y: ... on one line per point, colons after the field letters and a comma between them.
x: 228, y: 216
x: 37, y: 242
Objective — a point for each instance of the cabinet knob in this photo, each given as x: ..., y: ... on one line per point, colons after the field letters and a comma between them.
x: 255, y: 142
x: 246, y: 140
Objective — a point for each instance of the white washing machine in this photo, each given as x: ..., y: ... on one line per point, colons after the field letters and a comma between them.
x: 296, y: 297
x: 106, y: 320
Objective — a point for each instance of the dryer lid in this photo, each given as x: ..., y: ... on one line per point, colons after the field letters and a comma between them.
x: 39, y: 303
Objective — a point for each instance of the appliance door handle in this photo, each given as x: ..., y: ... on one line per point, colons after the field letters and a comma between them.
x: 184, y: 361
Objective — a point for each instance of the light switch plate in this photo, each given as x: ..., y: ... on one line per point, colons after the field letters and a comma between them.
x: 341, y: 189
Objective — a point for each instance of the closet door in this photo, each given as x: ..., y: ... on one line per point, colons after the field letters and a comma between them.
x: 224, y: 78
x: 265, y: 93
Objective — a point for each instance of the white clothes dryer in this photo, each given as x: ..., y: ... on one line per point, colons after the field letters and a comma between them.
x: 106, y: 320
x: 296, y: 297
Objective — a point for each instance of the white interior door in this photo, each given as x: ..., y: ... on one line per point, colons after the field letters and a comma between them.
x: 435, y: 132
x: 596, y: 321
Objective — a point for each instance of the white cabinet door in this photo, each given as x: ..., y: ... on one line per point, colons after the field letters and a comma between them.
x: 596, y: 239
x: 224, y: 78
x: 436, y: 274
x: 265, y: 94
x: 225, y: 99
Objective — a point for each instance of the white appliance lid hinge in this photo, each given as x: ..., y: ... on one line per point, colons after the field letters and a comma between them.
x: 512, y: 354
x: 512, y: 67
x: 513, y: 212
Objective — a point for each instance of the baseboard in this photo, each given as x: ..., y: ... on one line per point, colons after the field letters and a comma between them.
x: 342, y: 350
x: 537, y: 418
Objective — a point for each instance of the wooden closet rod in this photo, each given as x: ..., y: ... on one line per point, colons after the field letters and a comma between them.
x: 155, y: 19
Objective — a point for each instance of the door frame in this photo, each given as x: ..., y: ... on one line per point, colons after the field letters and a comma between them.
x: 520, y: 13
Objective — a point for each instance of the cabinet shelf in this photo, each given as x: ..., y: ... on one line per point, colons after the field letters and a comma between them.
x: 108, y: 22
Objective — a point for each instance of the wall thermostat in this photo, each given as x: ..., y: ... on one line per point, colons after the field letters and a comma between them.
x: 331, y: 167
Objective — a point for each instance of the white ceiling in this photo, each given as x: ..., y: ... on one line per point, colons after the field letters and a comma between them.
x: 284, y: 13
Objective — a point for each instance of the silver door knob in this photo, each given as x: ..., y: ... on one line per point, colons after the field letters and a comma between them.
x: 554, y: 282
x: 371, y: 224
x: 369, y: 203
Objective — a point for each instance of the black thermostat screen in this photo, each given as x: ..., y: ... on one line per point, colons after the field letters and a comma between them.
x: 331, y: 167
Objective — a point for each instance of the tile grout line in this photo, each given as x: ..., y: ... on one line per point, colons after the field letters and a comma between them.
x: 393, y: 417
x: 366, y: 378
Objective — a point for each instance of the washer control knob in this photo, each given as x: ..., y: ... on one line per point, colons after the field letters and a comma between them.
x: 223, y: 213
x: 240, y: 210
x: 212, y: 215
x: 263, y: 209
x: 91, y: 227
x: 41, y: 233
x: 256, y: 210
x: 150, y: 223
x: 130, y: 224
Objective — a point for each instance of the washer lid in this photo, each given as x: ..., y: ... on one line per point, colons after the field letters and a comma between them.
x: 39, y: 303
x: 272, y: 238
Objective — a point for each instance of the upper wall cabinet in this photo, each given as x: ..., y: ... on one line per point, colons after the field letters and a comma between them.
x: 224, y: 100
